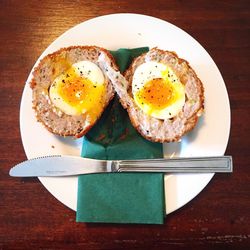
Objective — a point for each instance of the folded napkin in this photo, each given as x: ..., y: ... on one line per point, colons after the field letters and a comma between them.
x: 120, y: 197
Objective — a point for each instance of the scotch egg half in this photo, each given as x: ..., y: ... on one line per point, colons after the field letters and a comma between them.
x: 71, y: 90
x: 162, y: 94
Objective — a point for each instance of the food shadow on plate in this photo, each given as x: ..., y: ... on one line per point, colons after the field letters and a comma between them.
x: 70, y: 141
x: 193, y: 134
x: 174, y: 149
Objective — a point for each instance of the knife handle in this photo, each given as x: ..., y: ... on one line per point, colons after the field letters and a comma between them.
x: 217, y: 164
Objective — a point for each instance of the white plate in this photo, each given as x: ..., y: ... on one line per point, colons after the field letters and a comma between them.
x: 210, y: 137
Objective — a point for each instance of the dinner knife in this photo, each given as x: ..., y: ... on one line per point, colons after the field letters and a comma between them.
x: 65, y: 165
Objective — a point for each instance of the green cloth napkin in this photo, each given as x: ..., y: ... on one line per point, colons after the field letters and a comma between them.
x: 123, y: 197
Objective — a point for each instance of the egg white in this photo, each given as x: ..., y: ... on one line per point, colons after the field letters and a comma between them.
x: 154, y: 70
x: 83, y: 69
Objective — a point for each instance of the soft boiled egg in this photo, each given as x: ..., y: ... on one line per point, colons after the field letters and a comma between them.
x: 157, y: 90
x: 79, y: 89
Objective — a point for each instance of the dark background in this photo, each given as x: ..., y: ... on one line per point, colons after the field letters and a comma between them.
x: 31, y: 218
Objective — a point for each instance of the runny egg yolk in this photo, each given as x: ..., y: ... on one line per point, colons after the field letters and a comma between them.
x: 79, y: 90
x: 157, y: 93
x: 157, y: 90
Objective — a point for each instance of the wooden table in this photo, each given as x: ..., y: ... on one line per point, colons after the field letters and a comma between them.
x: 218, y: 218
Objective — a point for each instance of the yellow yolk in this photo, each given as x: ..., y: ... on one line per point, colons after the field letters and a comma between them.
x: 157, y: 90
x: 157, y: 93
x: 79, y: 90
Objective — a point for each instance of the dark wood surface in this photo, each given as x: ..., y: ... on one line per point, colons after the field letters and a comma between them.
x: 218, y: 218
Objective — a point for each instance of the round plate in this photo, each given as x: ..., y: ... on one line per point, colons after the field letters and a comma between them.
x: 210, y: 137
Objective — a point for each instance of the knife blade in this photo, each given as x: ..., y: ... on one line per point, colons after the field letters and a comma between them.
x: 65, y: 165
